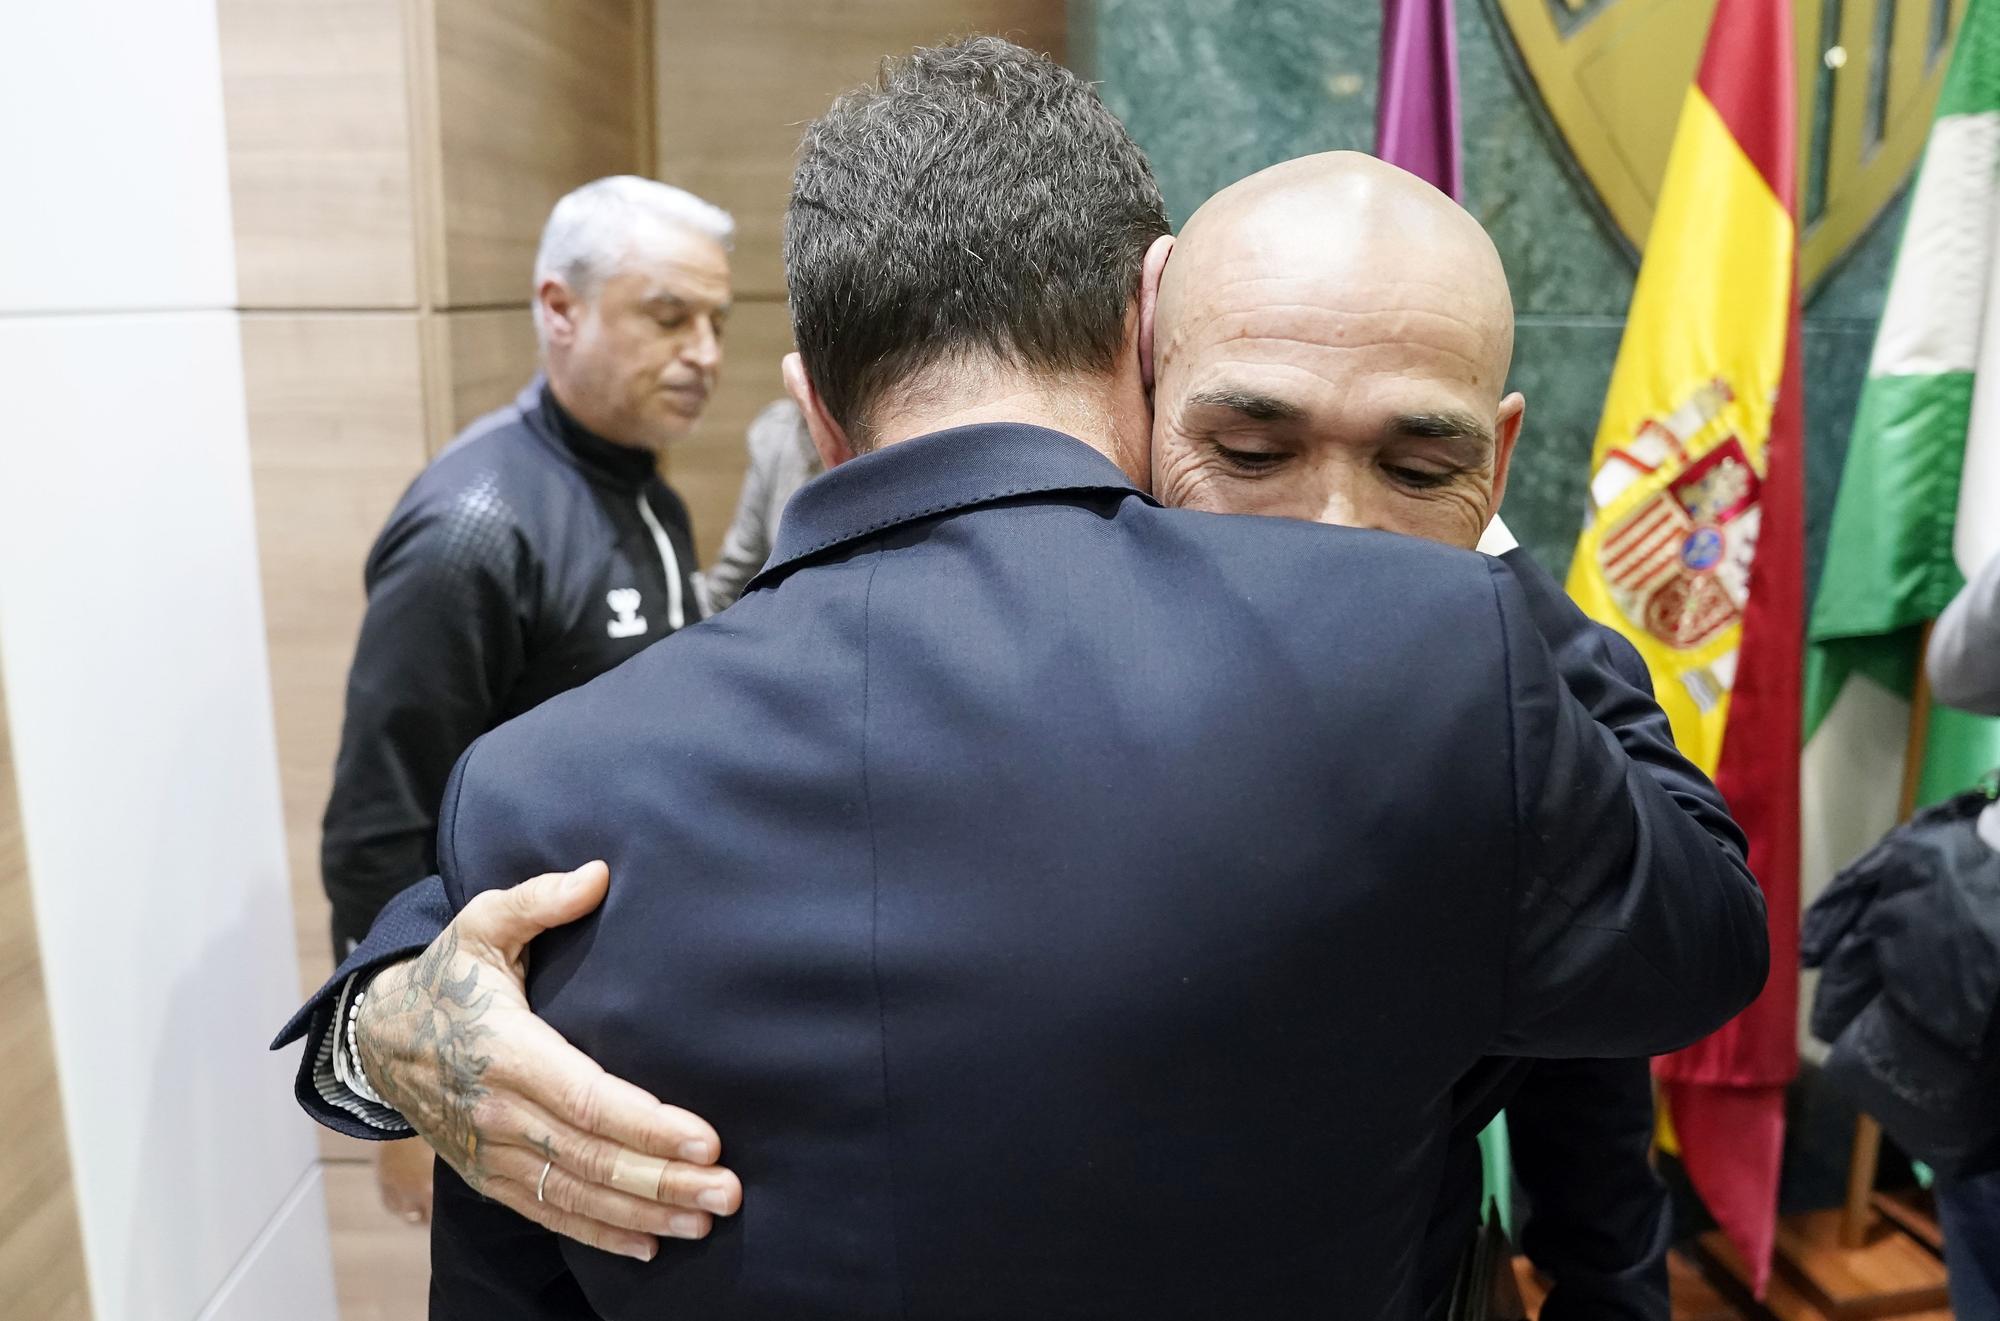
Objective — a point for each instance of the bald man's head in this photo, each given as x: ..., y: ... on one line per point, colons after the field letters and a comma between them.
x: 1331, y: 341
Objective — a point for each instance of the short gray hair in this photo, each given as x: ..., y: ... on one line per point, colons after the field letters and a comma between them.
x: 592, y: 230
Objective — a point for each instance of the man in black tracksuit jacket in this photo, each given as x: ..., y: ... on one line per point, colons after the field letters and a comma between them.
x: 531, y: 557
x: 539, y: 551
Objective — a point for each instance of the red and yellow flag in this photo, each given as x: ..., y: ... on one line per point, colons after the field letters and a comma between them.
x: 1694, y: 551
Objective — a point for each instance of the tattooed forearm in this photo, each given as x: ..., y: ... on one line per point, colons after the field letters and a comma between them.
x: 422, y: 1042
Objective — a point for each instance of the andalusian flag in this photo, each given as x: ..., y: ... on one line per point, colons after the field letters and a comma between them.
x: 1919, y: 506
x: 1693, y: 551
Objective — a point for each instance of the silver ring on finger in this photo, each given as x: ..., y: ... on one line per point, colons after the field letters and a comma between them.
x: 542, y: 1184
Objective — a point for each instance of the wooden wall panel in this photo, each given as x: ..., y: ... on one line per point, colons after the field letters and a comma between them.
x: 706, y: 466
x: 736, y: 81
x: 319, y: 152
x: 487, y: 356
x: 534, y: 97
x: 335, y: 409
x: 41, y: 1239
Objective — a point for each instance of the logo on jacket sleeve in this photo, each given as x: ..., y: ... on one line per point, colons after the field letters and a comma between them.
x: 624, y: 602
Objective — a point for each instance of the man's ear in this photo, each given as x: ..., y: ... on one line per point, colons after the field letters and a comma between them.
x: 1150, y: 272
x: 560, y: 307
x: 1506, y: 430
x: 828, y: 437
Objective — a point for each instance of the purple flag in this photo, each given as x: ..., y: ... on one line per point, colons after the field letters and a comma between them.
x: 1416, y: 116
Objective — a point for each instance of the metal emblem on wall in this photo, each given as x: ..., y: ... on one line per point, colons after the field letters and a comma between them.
x: 1612, y: 74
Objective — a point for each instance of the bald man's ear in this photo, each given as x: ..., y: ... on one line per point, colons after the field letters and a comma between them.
x: 1150, y: 272
x: 1506, y: 430
x: 828, y: 436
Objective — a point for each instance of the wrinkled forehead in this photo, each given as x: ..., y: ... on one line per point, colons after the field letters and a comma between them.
x: 1407, y: 331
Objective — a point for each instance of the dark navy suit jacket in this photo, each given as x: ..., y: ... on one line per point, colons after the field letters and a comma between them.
x: 1599, y: 1219
x: 1068, y: 907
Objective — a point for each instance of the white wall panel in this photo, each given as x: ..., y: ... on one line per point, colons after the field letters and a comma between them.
x: 132, y: 636
x: 287, y: 1264
x: 115, y: 174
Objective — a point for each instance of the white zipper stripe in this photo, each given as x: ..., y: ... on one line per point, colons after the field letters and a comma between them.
x: 668, y: 561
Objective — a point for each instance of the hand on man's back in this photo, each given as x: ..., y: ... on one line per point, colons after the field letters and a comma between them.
x: 527, y: 1120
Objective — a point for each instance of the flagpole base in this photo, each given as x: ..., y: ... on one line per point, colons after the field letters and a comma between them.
x: 1695, y: 1295
x: 1814, y: 1278
x: 1909, y: 1212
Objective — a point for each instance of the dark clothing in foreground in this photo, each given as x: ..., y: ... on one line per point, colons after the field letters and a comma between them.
x: 531, y: 557
x: 1969, y: 1214
x: 1599, y: 1221
x: 1907, y: 939
x: 1073, y: 908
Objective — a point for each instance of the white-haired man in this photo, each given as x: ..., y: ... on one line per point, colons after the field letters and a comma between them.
x: 538, y: 551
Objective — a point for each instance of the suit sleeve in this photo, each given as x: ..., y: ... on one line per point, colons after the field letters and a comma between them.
x: 1637, y: 926
x: 411, y: 921
x: 1964, y: 660
x: 442, y: 644
x: 403, y: 929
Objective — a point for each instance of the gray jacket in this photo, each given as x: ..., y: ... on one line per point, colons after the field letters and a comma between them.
x: 782, y: 459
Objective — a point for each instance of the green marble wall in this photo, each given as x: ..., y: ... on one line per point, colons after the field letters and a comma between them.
x: 1216, y: 89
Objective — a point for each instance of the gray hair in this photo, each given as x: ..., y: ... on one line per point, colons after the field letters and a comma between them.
x: 977, y: 202
x: 592, y: 231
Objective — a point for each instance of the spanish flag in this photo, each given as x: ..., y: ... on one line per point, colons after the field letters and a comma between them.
x: 1694, y: 551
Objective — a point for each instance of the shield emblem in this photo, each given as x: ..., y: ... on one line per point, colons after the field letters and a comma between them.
x: 1612, y: 74
x: 1679, y: 564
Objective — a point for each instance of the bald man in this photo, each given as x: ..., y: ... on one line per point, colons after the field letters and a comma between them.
x: 1340, y: 395
x: 1332, y: 338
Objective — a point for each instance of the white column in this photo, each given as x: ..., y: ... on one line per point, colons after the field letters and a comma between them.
x: 137, y: 683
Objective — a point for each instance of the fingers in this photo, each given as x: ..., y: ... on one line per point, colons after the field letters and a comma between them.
x: 506, y: 920
x: 597, y: 1204
x: 403, y: 1174
x: 675, y: 1183
x: 651, y: 1180
x: 541, y: 1068
x: 592, y: 1101
x: 410, y: 1205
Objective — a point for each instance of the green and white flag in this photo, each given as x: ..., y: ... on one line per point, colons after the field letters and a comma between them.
x: 1919, y: 503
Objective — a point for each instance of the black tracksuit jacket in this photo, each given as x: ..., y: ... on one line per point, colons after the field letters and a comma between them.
x: 530, y: 557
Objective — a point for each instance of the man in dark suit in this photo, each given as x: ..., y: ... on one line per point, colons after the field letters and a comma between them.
x: 1332, y: 338
x: 1067, y: 906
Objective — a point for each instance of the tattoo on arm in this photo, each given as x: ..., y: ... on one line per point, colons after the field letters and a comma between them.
x: 426, y: 1053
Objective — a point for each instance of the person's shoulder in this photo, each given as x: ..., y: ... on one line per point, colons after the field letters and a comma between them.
x: 1316, y: 580
x: 471, y: 506
x: 491, y: 470
x: 571, y: 734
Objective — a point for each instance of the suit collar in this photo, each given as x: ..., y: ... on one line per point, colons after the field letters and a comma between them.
x: 935, y: 474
